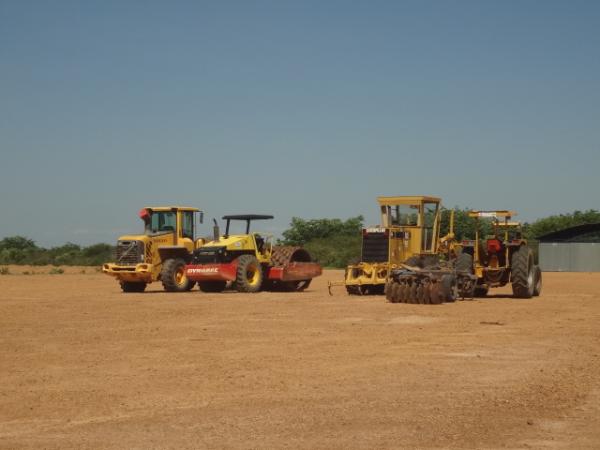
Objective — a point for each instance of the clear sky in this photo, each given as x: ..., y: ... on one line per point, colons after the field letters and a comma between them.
x: 292, y: 108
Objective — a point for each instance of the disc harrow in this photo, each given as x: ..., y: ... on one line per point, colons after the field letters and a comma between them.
x: 429, y: 286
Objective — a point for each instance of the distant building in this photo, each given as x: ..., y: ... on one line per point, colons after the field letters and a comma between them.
x: 575, y: 249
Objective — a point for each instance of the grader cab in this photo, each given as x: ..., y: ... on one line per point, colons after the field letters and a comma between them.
x: 160, y: 253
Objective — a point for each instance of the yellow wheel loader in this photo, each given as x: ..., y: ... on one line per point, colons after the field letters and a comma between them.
x: 250, y: 262
x: 160, y: 253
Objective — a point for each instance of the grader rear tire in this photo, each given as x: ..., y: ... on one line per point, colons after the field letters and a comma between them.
x: 173, y: 276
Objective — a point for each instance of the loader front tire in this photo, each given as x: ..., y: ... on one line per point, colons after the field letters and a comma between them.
x: 173, y: 276
x: 132, y: 286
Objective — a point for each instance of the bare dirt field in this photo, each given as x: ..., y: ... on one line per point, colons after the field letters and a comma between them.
x: 84, y: 366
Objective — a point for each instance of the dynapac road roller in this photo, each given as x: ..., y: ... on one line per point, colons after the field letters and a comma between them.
x: 160, y: 254
x: 250, y: 262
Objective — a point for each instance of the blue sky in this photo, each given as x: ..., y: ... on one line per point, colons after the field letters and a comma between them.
x: 306, y: 108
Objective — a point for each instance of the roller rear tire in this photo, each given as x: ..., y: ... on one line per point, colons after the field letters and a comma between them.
x: 249, y: 274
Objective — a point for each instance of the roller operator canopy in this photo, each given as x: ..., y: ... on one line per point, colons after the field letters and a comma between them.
x: 247, y: 217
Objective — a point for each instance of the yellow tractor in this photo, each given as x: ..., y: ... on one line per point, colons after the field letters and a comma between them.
x: 250, y: 262
x: 161, y: 253
x: 408, y: 235
x: 500, y: 257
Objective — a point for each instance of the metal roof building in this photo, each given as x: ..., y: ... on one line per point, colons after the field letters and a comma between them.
x: 575, y: 249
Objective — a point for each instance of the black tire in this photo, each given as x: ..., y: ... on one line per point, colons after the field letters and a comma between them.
x: 249, y: 274
x: 537, y: 288
x: 522, y: 273
x: 481, y: 291
x: 212, y: 286
x: 464, y: 263
x: 132, y: 286
x: 173, y: 276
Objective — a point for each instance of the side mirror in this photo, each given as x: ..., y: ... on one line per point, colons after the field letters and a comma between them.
x: 201, y: 217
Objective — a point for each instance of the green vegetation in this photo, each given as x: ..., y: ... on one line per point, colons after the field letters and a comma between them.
x: 332, y: 242
x: 561, y: 221
x: 56, y: 271
x: 21, y: 250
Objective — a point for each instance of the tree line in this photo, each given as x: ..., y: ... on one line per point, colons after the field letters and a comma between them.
x: 332, y: 242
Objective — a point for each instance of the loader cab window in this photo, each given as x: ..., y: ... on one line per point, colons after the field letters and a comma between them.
x: 162, y: 221
x: 187, y: 228
x: 404, y: 215
x: 430, y: 214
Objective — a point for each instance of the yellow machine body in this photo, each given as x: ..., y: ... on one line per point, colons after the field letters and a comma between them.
x: 409, y: 230
x: 168, y: 233
x: 258, y: 244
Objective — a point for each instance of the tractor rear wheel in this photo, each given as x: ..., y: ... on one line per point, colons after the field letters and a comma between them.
x: 212, y: 286
x: 132, y: 286
x: 537, y: 273
x: 249, y: 274
x: 173, y: 276
x: 522, y: 273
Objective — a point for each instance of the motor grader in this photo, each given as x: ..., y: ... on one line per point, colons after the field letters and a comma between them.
x: 249, y: 262
x: 500, y: 257
x: 409, y: 235
x: 160, y: 254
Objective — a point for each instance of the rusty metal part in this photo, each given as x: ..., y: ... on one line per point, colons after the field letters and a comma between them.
x: 285, y: 256
x: 429, y: 285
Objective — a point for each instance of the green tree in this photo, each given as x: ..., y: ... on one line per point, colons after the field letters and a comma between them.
x: 332, y: 242
x: 561, y: 221
x: 302, y: 231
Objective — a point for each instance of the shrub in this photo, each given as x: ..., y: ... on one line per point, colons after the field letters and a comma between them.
x: 56, y: 271
x: 4, y: 270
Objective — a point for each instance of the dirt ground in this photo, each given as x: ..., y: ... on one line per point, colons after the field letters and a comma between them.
x: 84, y: 366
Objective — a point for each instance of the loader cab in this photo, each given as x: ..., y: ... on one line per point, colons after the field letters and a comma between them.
x: 180, y: 223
